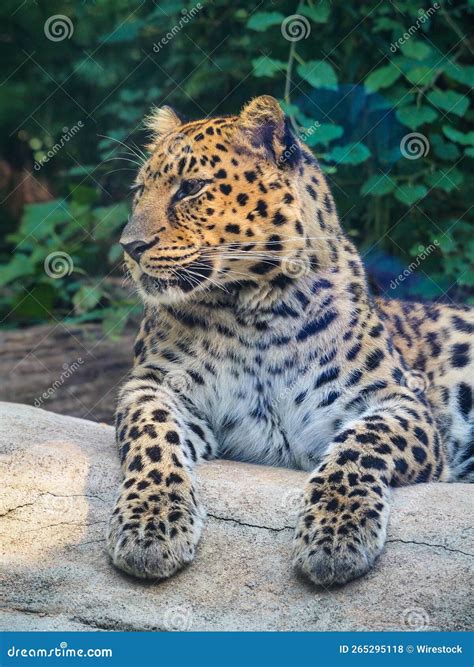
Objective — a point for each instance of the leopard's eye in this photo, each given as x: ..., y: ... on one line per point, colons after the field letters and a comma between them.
x: 189, y: 188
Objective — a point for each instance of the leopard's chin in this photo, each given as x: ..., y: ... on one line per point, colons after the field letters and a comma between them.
x: 184, y: 282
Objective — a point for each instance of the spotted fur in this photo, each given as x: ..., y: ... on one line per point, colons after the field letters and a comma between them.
x: 261, y: 342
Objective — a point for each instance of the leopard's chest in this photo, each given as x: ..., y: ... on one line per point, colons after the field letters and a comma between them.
x: 269, y: 412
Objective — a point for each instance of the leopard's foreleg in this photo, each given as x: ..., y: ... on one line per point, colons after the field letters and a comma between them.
x: 157, y: 520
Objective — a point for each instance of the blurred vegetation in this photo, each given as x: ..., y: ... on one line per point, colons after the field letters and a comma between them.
x: 353, y: 85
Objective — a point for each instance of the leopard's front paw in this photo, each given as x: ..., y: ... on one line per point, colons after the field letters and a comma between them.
x: 338, y: 539
x: 151, y: 536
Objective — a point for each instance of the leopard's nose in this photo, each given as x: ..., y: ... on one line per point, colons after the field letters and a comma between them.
x: 135, y: 248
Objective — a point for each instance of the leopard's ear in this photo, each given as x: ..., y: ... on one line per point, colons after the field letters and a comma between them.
x: 161, y: 121
x: 260, y: 111
x: 262, y: 125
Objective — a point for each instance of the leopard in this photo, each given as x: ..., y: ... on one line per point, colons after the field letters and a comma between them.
x: 262, y: 342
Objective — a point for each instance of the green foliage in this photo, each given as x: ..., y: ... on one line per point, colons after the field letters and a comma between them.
x: 260, y: 21
x: 383, y: 77
x: 449, y: 101
x: 378, y: 185
x: 409, y: 193
x: 76, y: 234
x: 349, y: 154
x: 413, y: 116
x: 463, y: 138
x: 318, y: 12
x: 353, y: 83
x: 318, y: 73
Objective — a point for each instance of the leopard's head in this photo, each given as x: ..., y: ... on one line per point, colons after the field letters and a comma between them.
x: 216, y: 202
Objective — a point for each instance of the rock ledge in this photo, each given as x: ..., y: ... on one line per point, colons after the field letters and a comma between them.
x: 60, y: 477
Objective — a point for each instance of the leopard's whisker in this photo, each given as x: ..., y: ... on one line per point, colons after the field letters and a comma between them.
x: 124, y: 159
x: 141, y: 157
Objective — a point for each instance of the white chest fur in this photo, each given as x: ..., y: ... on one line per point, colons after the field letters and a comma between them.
x: 269, y: 414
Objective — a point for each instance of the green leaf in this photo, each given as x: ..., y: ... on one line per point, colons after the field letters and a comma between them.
x: 444, y: 149
x: 422, y: 75
x: 19, y: 266
x: 109, y: 218
x: 450, y: 101
x: 464, y: 138
x: 377, y: 185
x: 328, y: 168
x: 265, y: 66
x: 415, y: 49
x: 42, y: 218
x: 260, y: 21
x: 354, y: 153
x: 445, y: 180
x: 323, y: 134
x: 382, y: 24
x: 446, y: 243
x: 461, y: 73
x: 408, y: 194
x: 469, y: 152
x: 290, y: 109
x: 319, y: 13
x: 413, y: 116
x: 399, y: 95
x: 86, y: 298
x: 383, y: 77
x: 318, y: 73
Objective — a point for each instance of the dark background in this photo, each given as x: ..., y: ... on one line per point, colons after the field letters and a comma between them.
x: 358, y: 80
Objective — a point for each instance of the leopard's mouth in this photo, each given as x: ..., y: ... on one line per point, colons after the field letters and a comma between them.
x: 182, y: 278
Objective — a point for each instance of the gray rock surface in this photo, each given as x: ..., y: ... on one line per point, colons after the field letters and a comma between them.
x: 59, y: 478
